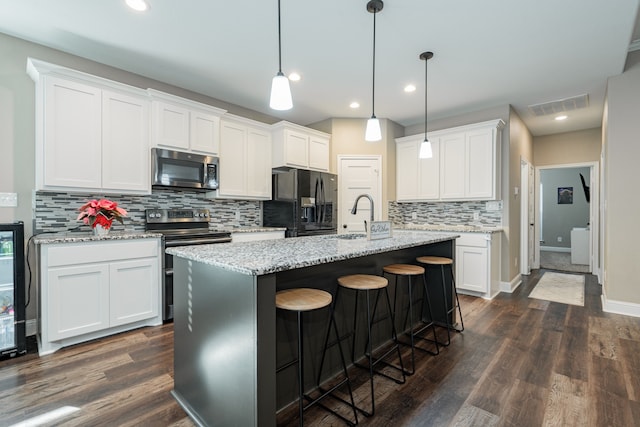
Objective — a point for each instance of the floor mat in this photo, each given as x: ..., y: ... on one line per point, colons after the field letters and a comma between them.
x: 560, y: 287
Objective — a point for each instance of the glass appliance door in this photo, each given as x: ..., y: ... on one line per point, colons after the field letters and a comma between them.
x: 7, y: 302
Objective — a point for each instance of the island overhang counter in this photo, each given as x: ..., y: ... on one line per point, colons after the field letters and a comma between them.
x: 227, y: 337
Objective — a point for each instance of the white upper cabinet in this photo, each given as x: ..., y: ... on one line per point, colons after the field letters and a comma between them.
x: 465, y: 164
x: 185, y: 125
x: 245, y: 159
x: 91, y: 133
x: 300, y: 147
x: 416, y: 179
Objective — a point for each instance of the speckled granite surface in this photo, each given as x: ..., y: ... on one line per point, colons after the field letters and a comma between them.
x: 270, y: 256
x: 255, y: 229
x: 448, y: 228
x: 81, y: 236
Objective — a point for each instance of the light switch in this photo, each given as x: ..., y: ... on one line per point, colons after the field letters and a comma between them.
x: 9, y: 200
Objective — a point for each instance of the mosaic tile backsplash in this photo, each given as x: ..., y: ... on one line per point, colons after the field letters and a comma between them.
x: 444, y: 213
x: 58, y: 211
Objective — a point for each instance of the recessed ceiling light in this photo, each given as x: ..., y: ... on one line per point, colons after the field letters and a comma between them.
x: 409, y: 88
x: 139, y: 5
x: 294, y: 77
x: 354, y: 104
x: 560, y: 118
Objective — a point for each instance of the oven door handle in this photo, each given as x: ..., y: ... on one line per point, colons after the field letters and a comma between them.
x: 175, y: 243
x: 168, y: 272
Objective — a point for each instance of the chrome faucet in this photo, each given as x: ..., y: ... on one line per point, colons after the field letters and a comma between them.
x: 354, y: 209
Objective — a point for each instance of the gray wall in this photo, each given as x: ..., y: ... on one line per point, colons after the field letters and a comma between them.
x: 559, y: 219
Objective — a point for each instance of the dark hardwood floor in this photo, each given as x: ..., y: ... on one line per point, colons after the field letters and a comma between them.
x: 519, y: 362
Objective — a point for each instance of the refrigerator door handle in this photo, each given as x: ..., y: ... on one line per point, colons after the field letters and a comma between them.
x: 316, y: 213
x: 322, y: 201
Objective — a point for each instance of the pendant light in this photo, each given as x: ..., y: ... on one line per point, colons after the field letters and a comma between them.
x: 373, y: 133
x: 280, y: 90
x: 425, y: 146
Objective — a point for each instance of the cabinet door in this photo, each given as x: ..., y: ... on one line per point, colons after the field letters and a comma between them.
x: 125, y: 143
x: 233, y: 152
x: 472, y: 266
x: 407, y: 180
x: 296, y: 149
x: 72, y: 135
x: 171, y: 125
x: 134, y: 290
x: 429, y: 174
x: 480, y: 164
x: 319, y: 153
x: 205, y: 132
x: 452, y: 164
x: 258, y: 164
x: 78, y: 300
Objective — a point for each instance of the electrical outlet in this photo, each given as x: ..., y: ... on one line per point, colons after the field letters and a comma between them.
x: 515, y: 262
x: 494, y: 205
x: 476, y: 216
x: 237, y: 215
x: 9, y: 200
x: 414, y: 215
x: 559, y: 239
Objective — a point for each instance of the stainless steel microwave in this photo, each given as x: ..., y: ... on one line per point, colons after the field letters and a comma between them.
x: 178, y: 169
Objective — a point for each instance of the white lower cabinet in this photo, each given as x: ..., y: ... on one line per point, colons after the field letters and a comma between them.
x: 478, y: 264
x: 93, y: 289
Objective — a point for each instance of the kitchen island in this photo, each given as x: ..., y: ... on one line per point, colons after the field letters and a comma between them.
x: 227, y: 337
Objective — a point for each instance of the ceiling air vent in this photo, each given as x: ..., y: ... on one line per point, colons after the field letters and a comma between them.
x: 560, y: 106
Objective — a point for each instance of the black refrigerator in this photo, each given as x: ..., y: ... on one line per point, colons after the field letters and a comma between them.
x: 303, y: 201
x: 12, y: 296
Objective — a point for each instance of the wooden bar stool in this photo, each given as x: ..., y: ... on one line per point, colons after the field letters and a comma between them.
x: 410, y: 271
x: 442, y: 262
x: 301, y: 300
x: 368, y: 283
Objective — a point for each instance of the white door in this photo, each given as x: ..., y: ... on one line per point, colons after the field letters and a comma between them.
x: 233, y: 147
x: 358, y: 175
x: 258, y: 164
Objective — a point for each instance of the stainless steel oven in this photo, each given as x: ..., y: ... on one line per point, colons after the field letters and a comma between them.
x: 180, y: 227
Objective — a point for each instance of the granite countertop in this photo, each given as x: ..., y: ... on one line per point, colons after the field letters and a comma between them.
x: 88, y: 236
x: 271, y: 256
x: 254, y: 229
x: 449, y: 228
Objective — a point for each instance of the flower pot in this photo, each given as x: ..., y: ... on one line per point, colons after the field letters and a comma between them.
x: 99, y: 230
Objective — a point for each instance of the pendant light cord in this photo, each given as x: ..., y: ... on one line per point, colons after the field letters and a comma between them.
x: 279, y: 42
x: 373, y: 91
x: 426, y: 68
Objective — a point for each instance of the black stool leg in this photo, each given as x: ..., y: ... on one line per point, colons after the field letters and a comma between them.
x: 453, y: 284
x: 300, y: 371
x: 430, y: 314
x: 446, y: 306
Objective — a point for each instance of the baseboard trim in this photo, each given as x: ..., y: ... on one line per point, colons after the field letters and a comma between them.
x: 620, y: 307
x: 509, y: 287
x: 554, y: 249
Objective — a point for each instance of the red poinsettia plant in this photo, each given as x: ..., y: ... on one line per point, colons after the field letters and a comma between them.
x: 101, y: 212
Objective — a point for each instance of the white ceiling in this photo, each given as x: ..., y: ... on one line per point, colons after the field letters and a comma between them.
x: 486, y: 53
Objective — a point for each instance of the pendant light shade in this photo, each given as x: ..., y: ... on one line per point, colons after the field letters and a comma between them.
x: 280, y: 93
x: 373, y: 132
x: 425, y: 146
x: 280, y: 90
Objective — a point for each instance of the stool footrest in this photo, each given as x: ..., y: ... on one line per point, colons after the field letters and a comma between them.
x: 326, y: 393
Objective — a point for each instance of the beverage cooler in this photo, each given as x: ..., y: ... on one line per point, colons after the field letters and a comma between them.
x: 12, y: 292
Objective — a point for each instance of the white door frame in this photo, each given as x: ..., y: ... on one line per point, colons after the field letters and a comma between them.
x: 594, y: 211
x: 525, y: 220
x: 378, y: 200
